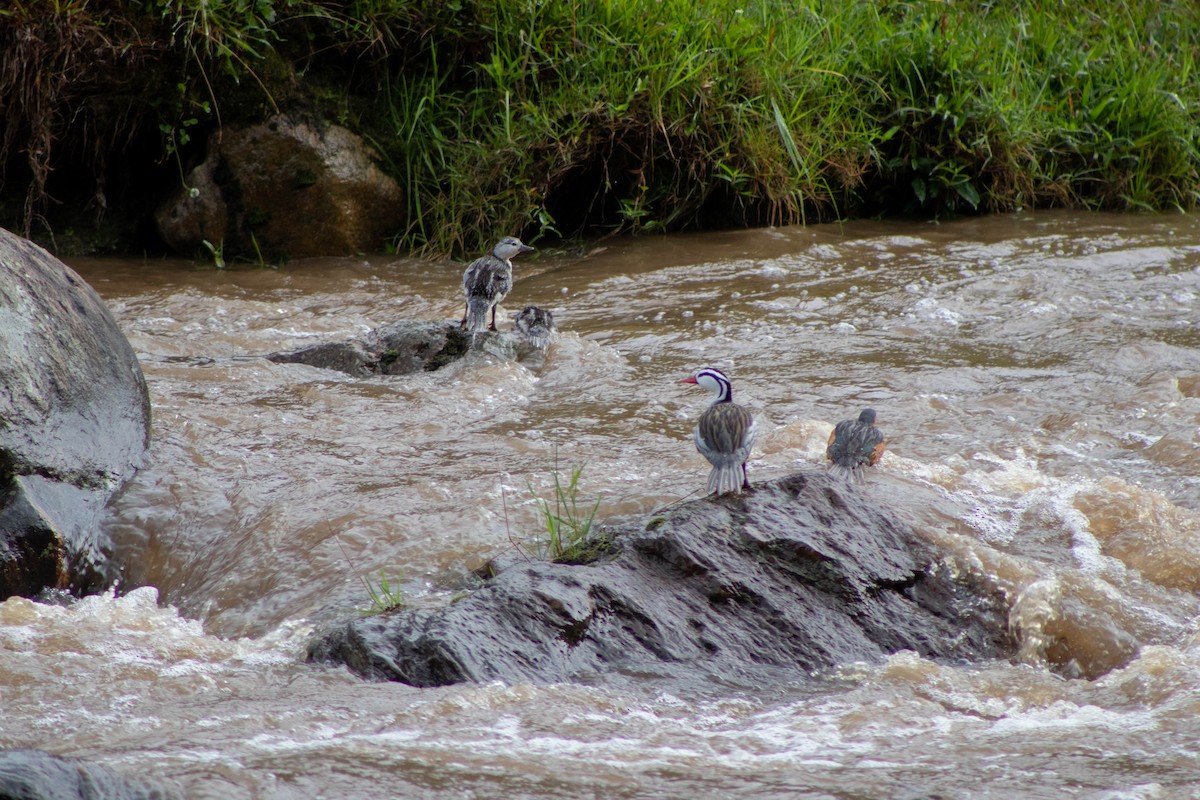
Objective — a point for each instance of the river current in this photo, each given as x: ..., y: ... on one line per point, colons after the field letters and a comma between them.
x: 1038, y: 377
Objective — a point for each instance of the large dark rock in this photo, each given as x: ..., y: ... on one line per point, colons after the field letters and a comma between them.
x: 400, y: 349
x: 37, y: 775
x: 285, y: 188
x: 74, y: 421
x: 801, y: 573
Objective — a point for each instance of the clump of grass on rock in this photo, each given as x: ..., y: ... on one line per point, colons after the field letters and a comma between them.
x: 569, y: 533
x: 386, y: 594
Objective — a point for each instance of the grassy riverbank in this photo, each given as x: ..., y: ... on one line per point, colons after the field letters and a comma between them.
x: 586, y: 117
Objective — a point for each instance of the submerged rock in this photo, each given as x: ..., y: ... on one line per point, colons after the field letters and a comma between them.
x: 37, y: 775
x: 799, y: 574
x: 400, y: 349
x: 74, y: 421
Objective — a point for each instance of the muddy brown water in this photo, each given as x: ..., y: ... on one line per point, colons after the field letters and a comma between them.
x: 1039, y: 380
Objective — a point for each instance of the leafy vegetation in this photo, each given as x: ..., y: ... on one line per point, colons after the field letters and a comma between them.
x: 659, y: 115
x: 578, y: 117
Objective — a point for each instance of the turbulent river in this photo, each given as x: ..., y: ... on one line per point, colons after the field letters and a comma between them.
x: 1038, y: 378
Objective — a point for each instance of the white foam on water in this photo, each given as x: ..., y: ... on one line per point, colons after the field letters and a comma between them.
x: 108, y: 633
x: 930, y: 309
x: 1066, y: 716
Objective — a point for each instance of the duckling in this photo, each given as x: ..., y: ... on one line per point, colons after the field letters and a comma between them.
x: 536, y: 325
x: 724, y: 434
x: 487, y: 281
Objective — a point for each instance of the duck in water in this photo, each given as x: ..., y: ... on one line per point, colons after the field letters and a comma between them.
x: 535, y: 325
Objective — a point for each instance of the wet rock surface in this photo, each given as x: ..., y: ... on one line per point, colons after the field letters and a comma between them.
x: 401, y: 348
x: 37, y: 775
x: 800, y: 574
x: 286, y: 188
x: 74, y: 421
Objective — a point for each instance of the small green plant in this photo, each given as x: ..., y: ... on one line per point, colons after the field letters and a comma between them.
x: 217, y: 251
x: 566, y: 526
x: 385, y: 595
x: 262, y: 262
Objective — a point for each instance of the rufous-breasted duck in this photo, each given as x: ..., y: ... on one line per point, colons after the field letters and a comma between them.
x: 855, y: 444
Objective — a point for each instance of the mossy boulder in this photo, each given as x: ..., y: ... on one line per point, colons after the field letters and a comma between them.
x: 285, y: 188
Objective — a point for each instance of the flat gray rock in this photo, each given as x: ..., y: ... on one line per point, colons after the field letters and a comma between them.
x: 401, y: 348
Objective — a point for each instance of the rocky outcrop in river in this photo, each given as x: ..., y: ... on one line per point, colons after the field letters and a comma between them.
x: 401, y: 348
x: 799, y: 574
x: 74, y: 421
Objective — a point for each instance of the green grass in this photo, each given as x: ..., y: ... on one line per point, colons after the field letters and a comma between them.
x: 567, y: 527
x: 642, y: 116
x: 549, y: 119
x: 385, y: 595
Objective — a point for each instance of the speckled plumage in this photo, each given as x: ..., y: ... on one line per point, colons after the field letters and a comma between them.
x: 724, y: 434
x: 855, y: 444
x: 536, y: 325
x: 487, y: 281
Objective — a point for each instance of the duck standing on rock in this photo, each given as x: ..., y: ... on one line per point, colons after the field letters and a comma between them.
x: 536, y: 325
x: 855, y: 444
x: 487, y: 281
x: 725, y: 433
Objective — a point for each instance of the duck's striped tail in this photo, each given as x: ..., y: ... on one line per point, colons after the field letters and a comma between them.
x: 726, y: 478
